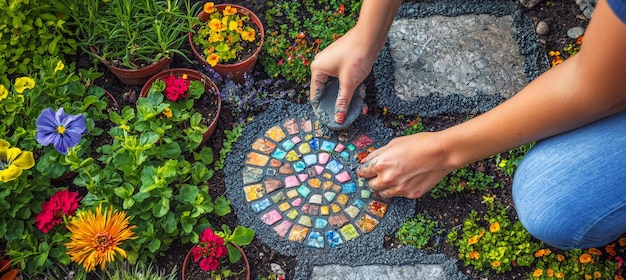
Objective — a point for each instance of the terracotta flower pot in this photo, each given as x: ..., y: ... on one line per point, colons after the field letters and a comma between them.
x: 188, y: 261
x: 138, y: 76
x: 236, y: 69
x: 209, y: 87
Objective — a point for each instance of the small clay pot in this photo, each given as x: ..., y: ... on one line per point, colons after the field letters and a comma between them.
x: 235, y: 70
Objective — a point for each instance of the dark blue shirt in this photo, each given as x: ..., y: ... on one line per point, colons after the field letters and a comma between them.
x: 619, y: 8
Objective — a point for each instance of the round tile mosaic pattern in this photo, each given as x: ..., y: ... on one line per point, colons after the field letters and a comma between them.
x: 298, y: 182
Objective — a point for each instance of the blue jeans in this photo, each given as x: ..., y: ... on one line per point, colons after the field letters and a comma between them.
x: 570, y: 189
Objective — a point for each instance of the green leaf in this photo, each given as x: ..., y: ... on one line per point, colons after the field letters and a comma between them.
x: 188, y: 193
x: 154, y: 245
x: 222, y: 206
x: 242, y: 236
x: 234, y: 255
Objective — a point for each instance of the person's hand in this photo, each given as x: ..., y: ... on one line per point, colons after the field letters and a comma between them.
x: 350, y: 60
x: 409, y: 166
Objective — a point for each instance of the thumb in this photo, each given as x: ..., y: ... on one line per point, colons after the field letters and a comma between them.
x: 342, y: 105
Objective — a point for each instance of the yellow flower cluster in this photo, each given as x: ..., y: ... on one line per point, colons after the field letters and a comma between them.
x: 224, y: 33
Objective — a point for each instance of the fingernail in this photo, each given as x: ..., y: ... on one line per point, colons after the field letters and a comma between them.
x: 340, y: 117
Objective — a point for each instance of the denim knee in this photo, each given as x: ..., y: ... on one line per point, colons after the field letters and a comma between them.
x: 569, y: 190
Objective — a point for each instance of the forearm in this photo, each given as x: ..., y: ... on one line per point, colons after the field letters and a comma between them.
x: 375, y: 19
x: 585, y: 88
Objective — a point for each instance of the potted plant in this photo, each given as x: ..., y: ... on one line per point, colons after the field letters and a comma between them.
x: 210, y: 252
x: 188, y: 92
x: 229, y: 39
x: 135, y: 39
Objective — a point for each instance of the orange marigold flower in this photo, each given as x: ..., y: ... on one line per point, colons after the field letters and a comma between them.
x: 597, y: 274
x: 622, y: 241
x: 167, y: 112
x: 538, y: 272
x: 209, y: 7
x: 618, y: 277
x: 474, y: 255
x: 495, y: 227
x: 560, y: 257
x: 215, y: 25
x: 585, y: 258
x: 610, y: 249
x: 550, y: 272
x: 229, y: 11
x: 560, y: 275
x: 213, y: 59
x: 579, y: 40
x: 495, y: 264
x: 588, y: 277
x: 473, y: 240
x: 481, y: 233
x: 248, y: 35
x: 594, y: 251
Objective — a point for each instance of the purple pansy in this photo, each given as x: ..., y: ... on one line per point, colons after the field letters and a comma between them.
x: 61, y: 129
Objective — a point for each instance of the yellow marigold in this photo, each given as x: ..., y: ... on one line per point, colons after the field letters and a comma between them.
x: 167, y: 112
x: 213, y: 59
x: 95, y: 237
x: 23, y: 83
x: 59, y: 66
x: 560, y: 275
x: 474, y: 255
x: 215, y: 25
x: 3, y: 92
x: 184, y: 76
x: 481, y: 233
x: 550, y: 272
x: 209, y: 7
x: 229, y: 11
x: 538, y: 272
x: 216, y: 37
x: 597, y: 274
x: 588, y: 277
x: 594, y: 251
x: 232, y: 25
x: 560, y: 257
x: 248, y: 35
x: 495, y: 264
x: 585, y: 258
x: 495, y: 227
x: 473, y: 240
x: 622, y: 241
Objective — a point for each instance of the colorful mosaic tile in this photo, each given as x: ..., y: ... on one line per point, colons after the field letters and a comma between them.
x: 303, y: 185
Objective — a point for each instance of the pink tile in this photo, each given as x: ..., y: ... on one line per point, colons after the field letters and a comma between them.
x: 291, y: 181
x: 343, y: 177
x: 271, y: 217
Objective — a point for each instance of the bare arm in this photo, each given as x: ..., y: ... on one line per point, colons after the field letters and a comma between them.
x: 587, y: 87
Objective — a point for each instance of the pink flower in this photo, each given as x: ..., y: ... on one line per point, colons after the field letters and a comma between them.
x: 210, y: 248
x: 175, y: 87
x: 62, y: 203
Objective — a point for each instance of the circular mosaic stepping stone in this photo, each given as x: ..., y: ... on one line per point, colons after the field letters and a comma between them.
x: 298, y: 180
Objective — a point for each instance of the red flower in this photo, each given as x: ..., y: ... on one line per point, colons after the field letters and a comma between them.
x: 63, y: 202
x: 210, y: 248
x: 175, y: 87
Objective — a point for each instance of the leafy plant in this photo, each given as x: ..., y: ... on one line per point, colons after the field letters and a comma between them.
x: 297, y: 31
x: 231, y: 137
x: 139, y: 271
x: 419, y: 231
x: 130, y: 33
x: 509, y: 162
x: 463, y: 179
x: 31, y: 30
x: 413, y: 127
x: 145, y: 171
x: 493, y: 242
x: 227, y: 34
x: 572, y: 264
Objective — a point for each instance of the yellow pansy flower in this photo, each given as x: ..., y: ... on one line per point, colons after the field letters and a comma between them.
x: 212, y: 59
x: 23, y: 83
x: 209, y: 7
x: 59, y: 66
x: 13, y: 161
x: 229, y: 11
x: 3, y: 92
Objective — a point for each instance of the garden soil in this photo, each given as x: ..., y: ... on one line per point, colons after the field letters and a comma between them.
x: 560, y: 15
